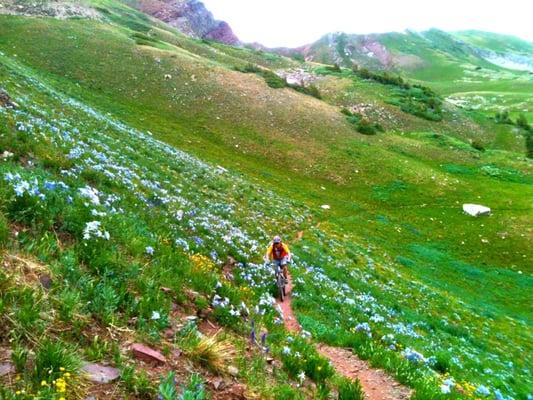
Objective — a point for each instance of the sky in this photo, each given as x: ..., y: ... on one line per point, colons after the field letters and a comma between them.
x: 293, y: 23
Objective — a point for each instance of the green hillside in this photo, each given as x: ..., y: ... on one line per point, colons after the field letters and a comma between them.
x: 137, y: 159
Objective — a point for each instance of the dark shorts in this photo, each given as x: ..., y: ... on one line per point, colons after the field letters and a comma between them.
x: 282, y: 262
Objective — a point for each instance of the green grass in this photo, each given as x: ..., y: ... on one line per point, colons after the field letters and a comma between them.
x: 395, y: 230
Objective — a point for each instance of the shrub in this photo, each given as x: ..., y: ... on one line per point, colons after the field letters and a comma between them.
x: 523, y: 123
x: 273, y: 80
x: 167, y: 387
x: 137, y: 383
x: 350, y: 390
x: 502, y: 117
x: 529, y: 144
x: 286, y: 392
x: 310, y: 90
x: 4, y: 229
x: 19, y: 356
x: 194, y: 390
x: 209, y: 351
x: 298, y: 57
x: 249, y: 68
x: 442, y: 362
x: 52, y: 358
x: 478, y: 145
x: 334, y: 68
x: 367, y: 128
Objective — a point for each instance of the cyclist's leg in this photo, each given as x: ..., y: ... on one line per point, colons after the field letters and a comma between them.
x: 276, y: 264
x: 284, y: 265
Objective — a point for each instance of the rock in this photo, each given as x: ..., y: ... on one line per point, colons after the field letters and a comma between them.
x: 476, y: 210
x: 191, y: 17
x: 233, y: 371
x: 147, y: 354
x: 100, y: 373
x: 169, y: 333
x: 6, y: 369
x: 218, y: 384
x: 5, y: 100
x: 46, y: 281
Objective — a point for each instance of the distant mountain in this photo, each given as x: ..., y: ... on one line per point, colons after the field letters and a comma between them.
x: 190, y: 16
x: 413, y: 50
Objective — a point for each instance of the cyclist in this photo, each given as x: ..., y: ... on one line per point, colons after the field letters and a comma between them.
x: 279, y: 253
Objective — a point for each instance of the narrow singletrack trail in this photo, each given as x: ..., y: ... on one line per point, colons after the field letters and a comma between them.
x: 376, y: 384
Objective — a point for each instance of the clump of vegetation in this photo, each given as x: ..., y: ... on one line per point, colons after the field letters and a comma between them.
x: 301, y: 361
x: 273, y: 80
x: 334, y: 68
x: 137, y: 383
x: 211, y: 352
x: 350, y: 390
x: 417, y: 100
x: 381, y: 77
x: 529, y: 144
x: 277, y: 82
x: 361, y: 124
x: 310, y: 90
x: 502, y: 117
x: 249, y: 68
x: 298, y: 57
x: 194, y: 390
x: 52, y: 358
x: 523, y: 123
x: 476, y: 144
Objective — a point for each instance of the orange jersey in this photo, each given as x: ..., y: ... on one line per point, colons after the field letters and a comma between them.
x: 278, y: 253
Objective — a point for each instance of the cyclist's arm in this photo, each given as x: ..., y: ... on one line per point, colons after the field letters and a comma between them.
x: 289, y: 254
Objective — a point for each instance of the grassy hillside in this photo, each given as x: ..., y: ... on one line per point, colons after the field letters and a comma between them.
x: 473, y: 69
x: 107, y: 103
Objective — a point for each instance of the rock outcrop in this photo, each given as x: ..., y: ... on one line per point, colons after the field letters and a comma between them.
x: 191, y: 17
x: 61, y: 9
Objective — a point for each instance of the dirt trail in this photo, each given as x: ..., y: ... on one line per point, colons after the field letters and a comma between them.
x: 376, y: 384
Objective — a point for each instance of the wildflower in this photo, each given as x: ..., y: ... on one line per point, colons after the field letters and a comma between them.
x: 155, y: 316
x: 482, y: 390
x: 445, y: 389
x: 91, y: 194
x: 301, y: 377
x: 413, y: 355
x: 149, y: 250
x: 363, y: 327
x: 305, y: 334
x: 286, y: 350
x: 44, y: 383
x: 92, y: 229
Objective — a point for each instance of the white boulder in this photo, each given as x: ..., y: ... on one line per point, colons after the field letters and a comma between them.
x: 476, y: 210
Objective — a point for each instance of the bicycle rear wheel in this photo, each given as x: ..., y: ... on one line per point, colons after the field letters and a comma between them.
x: 281, y: 287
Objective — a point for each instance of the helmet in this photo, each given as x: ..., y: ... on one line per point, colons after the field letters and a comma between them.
x: 276, y: 239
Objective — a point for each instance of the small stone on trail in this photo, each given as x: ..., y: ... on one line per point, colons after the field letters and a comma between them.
x: 218, y: 384
x: 46, y: 281
x: 100, y: 373
x: 6, y: 369
x: 147, y: 354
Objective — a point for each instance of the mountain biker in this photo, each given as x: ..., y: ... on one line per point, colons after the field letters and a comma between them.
x: 279, y: 253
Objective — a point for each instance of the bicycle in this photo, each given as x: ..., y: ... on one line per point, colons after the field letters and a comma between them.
x: 280, y: 281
